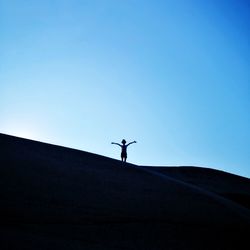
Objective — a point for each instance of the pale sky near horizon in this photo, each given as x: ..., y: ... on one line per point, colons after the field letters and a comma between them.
x: 172, y: 74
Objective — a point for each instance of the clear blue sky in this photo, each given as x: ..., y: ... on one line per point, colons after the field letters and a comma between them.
x: 173, y: 75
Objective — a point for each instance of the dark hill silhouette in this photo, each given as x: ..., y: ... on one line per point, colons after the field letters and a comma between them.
x: 54, y: 197
x: 228, y: 185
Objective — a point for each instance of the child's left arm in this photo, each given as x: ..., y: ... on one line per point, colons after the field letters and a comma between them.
x: 131, y: 143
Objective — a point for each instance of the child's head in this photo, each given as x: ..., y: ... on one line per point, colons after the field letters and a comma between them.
x: 123, y: 141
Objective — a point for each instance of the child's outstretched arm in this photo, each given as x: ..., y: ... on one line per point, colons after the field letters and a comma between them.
x: 116, y: 144
x: 131, y: 143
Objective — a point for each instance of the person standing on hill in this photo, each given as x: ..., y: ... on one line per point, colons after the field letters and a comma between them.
x: 124, y: 149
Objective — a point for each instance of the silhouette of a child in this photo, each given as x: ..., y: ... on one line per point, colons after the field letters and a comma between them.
x: 124, y: 149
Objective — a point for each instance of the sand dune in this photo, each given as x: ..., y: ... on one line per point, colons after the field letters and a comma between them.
x: 54, y: 197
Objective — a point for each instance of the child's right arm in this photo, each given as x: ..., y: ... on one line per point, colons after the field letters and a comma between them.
x: 116, y: 143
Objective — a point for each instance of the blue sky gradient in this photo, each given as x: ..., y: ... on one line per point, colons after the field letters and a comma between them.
x: 173, y: 75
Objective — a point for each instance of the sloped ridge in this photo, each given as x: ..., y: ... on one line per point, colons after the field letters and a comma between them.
x: 231, y: 186
x: 91, y: 187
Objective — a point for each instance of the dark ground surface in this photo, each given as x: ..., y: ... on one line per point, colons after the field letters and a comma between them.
x: 59, y: 198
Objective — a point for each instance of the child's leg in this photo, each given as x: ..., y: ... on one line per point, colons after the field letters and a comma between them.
x: 124, y: 157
